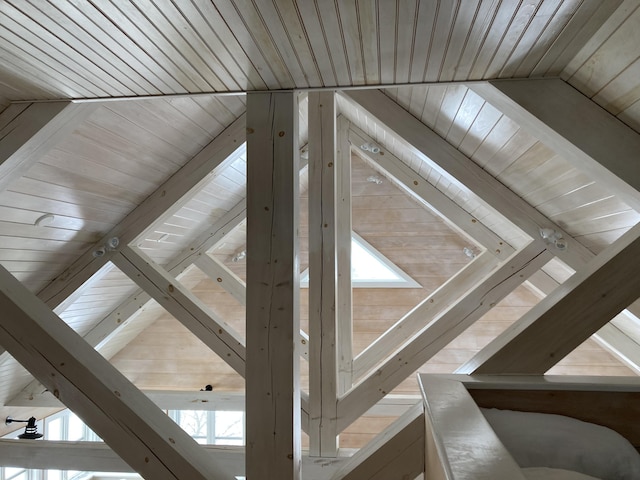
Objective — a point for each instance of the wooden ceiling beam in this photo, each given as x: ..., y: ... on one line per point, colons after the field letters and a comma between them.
x: 440, y: 331
x: 223, y: 276
x: 273, y: 310
x: 236, y: 287
x: 568, y: 316
x: 185, y: 307
x: 96, y: 456
x: 460, y: 169
x: 29, y: 131
x: 107, y: 328
x: 138, y: 431
x: 344, y: 229
x: 184, y: 183
x: 578, y: 129
x: 611, y: 337
x: 323, y: 275
x: 423, y: 313
x: 397, y: 453
x: 424, y: 192
x: 389, y: 406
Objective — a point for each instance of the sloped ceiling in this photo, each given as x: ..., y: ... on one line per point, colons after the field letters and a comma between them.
x: 125, y: 151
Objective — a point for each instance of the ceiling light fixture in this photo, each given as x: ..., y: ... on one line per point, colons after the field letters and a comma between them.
x: 239, y: 256
x: 370, y: 147
x: 553, y: 236
x: 109, y: 246
x: 30, y: 431
x: 469, y: 252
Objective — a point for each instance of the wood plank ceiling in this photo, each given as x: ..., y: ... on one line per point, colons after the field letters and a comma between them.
x: 86, y: 186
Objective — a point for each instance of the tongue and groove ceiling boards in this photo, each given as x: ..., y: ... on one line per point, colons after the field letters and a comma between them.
x: 507, y: 167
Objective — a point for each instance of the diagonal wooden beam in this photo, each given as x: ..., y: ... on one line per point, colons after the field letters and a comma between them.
x: 569, y: 315
x: 411, y: 182
x: 29, y: 131
x: 610, y: 336
x: 107, y: 328
x: 183, y: 305
x: 577, y: 128
x: 82, y: 379
x: 456, y: 166
x: 323, y: 275
x: 185, y: 181
x: 273, y: 322
x: 397, y: 453
x: 181, y: 185
x: 236, y: 287
x: 228, y: 280
x: 440, y: 300
x: 440, y: 331
x: 344, y: 306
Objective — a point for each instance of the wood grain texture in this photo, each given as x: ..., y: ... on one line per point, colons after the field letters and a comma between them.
x: 273, y: 389
x: 581, y: 310
x: 99, y: 393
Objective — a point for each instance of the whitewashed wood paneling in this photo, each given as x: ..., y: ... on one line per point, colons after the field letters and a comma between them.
x: 109, y: 48
x: 608, y: 67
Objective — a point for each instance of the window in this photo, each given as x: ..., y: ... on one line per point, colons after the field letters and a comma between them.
x: 212, y: 427
x: 370, y: 268
x: 206, y: 427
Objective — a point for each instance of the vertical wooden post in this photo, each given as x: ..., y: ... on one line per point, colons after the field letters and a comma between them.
x: 273, y: 319
x: 344, y: 307
x: 323, y: 370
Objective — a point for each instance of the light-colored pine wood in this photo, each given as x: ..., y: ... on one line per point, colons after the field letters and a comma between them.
x: 183, y: 305
x: 273, y: 390
x: 90, y: 456
x: 323, y: 274
x: 396, y: 453
x: 344, y: 226
x: 440, y: 331
x: 95, y: 390
x: 427, y: 310
x: 460, y: 444
x: 33, y: 132
x: 583, y: 304
x: 459, y: 167
x: 157, y: 204
x: 575, y: 127
x: 607, y: 401
x: 225, y: 277
x: 436, y: 201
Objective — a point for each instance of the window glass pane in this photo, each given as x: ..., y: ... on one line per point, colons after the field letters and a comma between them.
x: 10, y: 471
x: 194, y: 422
x: 16, y: 474
x: 54, y: 429
x: 76, y: 428
x: 54, y: 475
x: 230, y: 426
